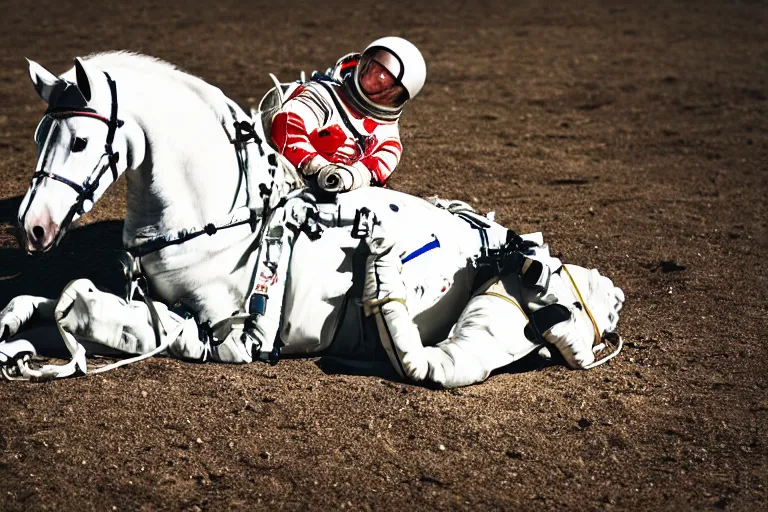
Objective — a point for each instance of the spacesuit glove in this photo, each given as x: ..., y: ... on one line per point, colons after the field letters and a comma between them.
x: 313, y: 165
x: 342, y: 178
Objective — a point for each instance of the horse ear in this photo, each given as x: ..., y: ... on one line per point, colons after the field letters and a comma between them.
x: 83, y: 79
x: 43, y: 80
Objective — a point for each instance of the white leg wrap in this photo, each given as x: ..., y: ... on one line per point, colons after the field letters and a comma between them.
x: 85, y: 314
x: 20, y: 310
x: 237, y: 345
x: 106, y: 319
x: 188, y: 344
x: 233, y: 349
x: 487, y: 336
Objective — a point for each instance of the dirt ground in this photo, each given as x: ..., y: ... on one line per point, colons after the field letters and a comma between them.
x: 633, y: 134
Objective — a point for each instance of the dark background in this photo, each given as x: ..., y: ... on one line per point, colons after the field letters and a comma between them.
x: 633, y: 134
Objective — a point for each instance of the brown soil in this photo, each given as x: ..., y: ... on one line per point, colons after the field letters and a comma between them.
x: 632, y: 134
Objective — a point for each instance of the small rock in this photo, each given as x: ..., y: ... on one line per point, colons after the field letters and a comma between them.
x: 584, y: 423
x: 199, y: 441
x: 441, y: 447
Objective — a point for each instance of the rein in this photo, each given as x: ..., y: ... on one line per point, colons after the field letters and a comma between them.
x: 160, y: 243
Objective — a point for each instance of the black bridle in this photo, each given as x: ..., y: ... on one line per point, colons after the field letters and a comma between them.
x: 85, y: 190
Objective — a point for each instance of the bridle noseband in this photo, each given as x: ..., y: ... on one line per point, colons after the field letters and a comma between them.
x: 85, y: 190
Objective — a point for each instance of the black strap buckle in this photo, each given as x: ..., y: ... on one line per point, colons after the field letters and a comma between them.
x: 245, y: 131
x: 362, y: 226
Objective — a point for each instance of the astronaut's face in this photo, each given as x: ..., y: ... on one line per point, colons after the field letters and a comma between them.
x: 379, y: 85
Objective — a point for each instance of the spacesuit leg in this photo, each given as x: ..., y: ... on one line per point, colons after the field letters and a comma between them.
x: 488, y: 335
x: 573, y: 311
x: 384, y: 297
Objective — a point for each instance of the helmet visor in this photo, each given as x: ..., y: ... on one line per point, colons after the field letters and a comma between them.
x: 378, y: 73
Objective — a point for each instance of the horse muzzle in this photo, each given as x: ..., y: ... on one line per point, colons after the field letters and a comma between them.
x: 39, y: 234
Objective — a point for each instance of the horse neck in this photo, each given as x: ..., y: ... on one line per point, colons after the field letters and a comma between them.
x: 189, y: 175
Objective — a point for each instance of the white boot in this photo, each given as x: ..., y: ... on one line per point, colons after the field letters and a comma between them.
x: 589, y: 305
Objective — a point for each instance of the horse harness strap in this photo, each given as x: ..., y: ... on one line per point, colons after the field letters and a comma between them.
x: 271, y: 246
x: 241, y: 216
x: 477, y: 222
x: 586, y: 307
x: 85, y: 191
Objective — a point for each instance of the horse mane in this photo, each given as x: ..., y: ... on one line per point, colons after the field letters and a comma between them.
x: 132, y: 60
x: 137, y: 62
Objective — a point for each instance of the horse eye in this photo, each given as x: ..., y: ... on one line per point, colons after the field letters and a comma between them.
x: 79, y: 144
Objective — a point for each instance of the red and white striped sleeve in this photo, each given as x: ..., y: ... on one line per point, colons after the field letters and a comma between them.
x: 299, y: 116
x: 383, y: 161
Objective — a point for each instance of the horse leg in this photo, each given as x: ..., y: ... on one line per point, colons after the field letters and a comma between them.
x: 21, y: 310
x: 105, y: 320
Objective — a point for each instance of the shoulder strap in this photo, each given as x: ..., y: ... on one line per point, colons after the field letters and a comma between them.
x: 359, y: 137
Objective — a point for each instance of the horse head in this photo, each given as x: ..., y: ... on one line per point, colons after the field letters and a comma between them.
x: 84, y: 143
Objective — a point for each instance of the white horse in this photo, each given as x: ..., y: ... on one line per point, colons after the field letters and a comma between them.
x: 172, y: 135
x: 450, y: 295
x: 173, y: 139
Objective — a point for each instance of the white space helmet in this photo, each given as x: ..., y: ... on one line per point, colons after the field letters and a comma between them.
x: 403, y: 60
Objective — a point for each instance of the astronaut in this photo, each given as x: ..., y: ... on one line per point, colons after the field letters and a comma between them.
x: 341, y: 128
